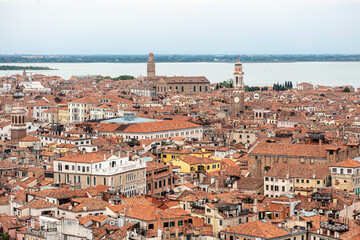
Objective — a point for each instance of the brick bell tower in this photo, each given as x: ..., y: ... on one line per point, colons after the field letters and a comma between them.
x: 151, y: 65
x: 237, y: 103
x: 18, y: 113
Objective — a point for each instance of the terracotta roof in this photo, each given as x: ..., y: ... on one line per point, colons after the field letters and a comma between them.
x: 279, y: 170
x: 258, y: 229
x: 60, y: 193
x: 158, y: 126
x: 29, y: 138
x: 192, y: 160
x: 93, y: 157
x: 348, y: 163
x: 85, y: 205
x: 300, y: 150
x: 8, y: 165
x: 38, y: 204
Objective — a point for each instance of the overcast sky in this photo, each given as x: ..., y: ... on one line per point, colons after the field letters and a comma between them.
x: 179, y: 26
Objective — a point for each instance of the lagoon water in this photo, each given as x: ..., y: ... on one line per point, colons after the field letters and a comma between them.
x: 256, y: 74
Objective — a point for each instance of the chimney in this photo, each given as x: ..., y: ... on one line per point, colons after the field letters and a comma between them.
x: 84, y: 208
x: 112, y: 151
x: 216, y: 184
x: 255, y: 209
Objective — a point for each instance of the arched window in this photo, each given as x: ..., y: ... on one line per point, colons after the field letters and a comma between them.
x: 194, y: 88
x: 182, y: 88
x: 199, y: 88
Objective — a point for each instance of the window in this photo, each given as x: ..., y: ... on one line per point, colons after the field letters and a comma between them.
x: 266, y: 179
x: 318, y: 182
x: 67, y: 167
x: 267, y: 187
x: 59, y: 167
x: 160, y: 184
x: 166, y: 224
x: 172, y: 224
x: 283, y: 188
x: 155, y: 185
x: 208, y: 210
x: 88, y: 181
x: 209, y: 220
x: 151, y: 226
x: 220, y: 222
x: 180, y: 223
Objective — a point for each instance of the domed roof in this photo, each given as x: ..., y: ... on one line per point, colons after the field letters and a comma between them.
x: 18, y: 93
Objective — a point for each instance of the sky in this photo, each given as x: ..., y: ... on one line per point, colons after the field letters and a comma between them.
x: 180, y: 26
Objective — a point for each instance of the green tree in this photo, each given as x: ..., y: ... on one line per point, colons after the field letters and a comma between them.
x: 227, y: 83
x: 347, y: 89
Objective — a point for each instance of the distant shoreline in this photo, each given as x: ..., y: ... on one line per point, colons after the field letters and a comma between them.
x: 21, y: 68
x: 176, y: 58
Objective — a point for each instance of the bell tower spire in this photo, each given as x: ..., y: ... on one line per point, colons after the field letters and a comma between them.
x: 239, y: 88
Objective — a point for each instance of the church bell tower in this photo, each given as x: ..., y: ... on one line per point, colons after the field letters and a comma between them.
x: 238, y: 88
x: 151, y: 65
x: 18, y: 113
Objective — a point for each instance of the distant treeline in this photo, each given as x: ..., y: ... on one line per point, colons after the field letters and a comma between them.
x: 12, y: 68
x: 121, y: 77
x: 175, y: 58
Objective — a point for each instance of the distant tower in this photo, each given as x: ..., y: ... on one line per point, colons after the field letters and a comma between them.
x: 151, y: 65
x: 239, y: 88
x: 18, y: 113
x: 24, y: 72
